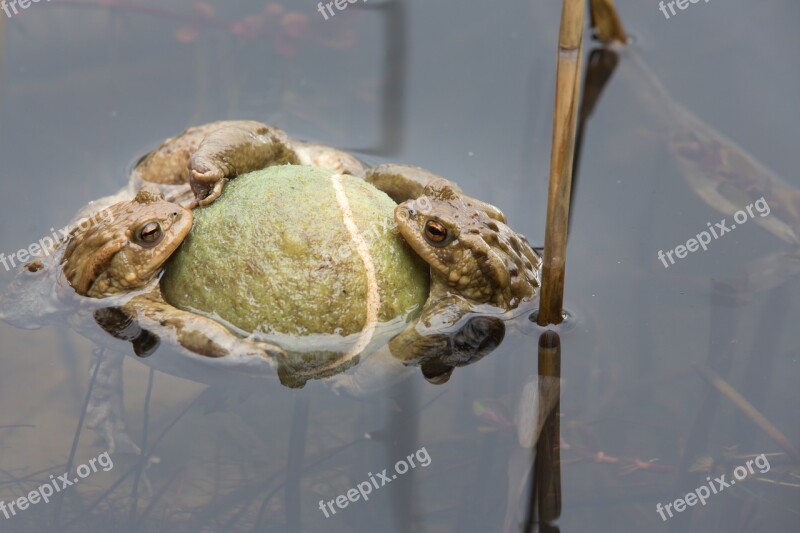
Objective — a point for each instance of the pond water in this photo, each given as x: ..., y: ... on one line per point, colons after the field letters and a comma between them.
x: 87, y: 87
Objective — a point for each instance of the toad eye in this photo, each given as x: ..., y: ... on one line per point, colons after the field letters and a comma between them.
x: 436, y: 233
x: 150, y: 234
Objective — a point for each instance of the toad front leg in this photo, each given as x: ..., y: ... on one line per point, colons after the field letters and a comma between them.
x: 141, y: 320
x: 169, y: 163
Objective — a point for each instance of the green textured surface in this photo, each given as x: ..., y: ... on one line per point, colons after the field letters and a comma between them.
x: 272, y: 254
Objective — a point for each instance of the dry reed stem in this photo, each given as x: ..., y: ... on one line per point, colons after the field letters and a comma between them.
x: 606, y: 21
x: 568, y: 76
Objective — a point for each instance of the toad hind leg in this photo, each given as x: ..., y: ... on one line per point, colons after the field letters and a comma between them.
x: 401, y: 182
x: 407, y: 182
x: 236, y: 148
x: 169, y: 163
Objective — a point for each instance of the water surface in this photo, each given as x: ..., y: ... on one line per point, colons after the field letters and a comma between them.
x: 466, y: 91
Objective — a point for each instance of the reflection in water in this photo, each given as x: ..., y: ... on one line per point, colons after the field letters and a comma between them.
x: 720, y: 172
x: 2, y: 51
x: 534, y: 467
x: 297, y: 449
x: 599, y: 69
x: 455, y: 337
x: 394, y: 78
x: 546, y: 480
x: 726, y: 177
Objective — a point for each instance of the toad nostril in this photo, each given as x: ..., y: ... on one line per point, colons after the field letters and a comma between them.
x: 408, y: 213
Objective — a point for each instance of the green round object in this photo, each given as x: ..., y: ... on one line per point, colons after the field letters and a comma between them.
x: 274, y: 254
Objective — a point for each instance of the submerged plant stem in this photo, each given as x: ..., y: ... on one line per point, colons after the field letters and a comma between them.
x: 750, y: 411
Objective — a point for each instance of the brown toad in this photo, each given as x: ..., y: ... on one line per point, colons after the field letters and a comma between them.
x: 476, y: 260
x: 125, y: 252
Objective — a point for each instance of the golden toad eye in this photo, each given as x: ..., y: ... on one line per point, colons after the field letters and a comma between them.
x: 435, y: 233
x: 150, y: 234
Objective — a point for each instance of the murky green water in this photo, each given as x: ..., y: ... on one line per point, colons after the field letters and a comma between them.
x: 465, y: 90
